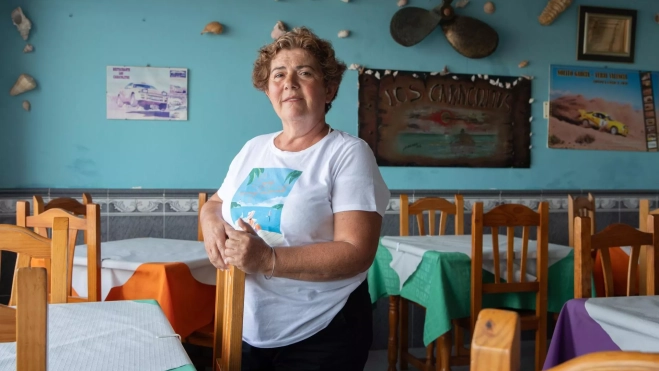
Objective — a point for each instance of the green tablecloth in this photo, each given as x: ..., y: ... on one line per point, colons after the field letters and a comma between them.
x: 442, y: 284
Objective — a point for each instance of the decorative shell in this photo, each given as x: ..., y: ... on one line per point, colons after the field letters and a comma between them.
x: 278, y: 30
x: 552, y: 10
x: 523, y: 64
x: 461, y: 3
x: 24, y: 83
x: 656, y: 17
x: 213, y: 27
x: 489, y: 7
x: 402, y: 3
x: 21, y: 22
x: 344, y: 33
x: 28, y: 48
x: 444, y: 71
x: 26, y: 105
x: 354, y: 66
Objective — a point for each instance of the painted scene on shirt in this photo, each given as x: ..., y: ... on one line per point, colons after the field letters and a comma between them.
x: 260, y: 199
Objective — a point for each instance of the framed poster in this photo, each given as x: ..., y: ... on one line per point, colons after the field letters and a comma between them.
x: 445, y: 120
x: 147, y: 93
x: 606, y: 34
x: 602, y: 109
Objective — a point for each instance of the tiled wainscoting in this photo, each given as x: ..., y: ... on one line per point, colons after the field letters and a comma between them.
x: 173, y: 214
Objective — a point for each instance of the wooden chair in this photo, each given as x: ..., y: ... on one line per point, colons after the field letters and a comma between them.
x: 643, y: 211
x: 203, y: 336
x: 579, y: 206
x: 615, y: 235
x: 496, y: 347
x: 27, y: 324
x: 90, y: 224
x: 229, y: 308
x: 429, y: 205
x: 511, y: 216
x: 29, y: 245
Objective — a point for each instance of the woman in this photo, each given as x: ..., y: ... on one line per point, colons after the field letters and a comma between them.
x: 318, y: 199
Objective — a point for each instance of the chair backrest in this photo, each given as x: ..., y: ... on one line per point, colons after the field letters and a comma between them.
x: 28, y: 245
x: 90, y: 224
x: 615, y: 235
x: 509, y: 216
x: 643, y: 212
x: 229, y: 307
x: 431, y: 205
x: 203, y: 197
x: 495, y: 346
x: 579, y: 206
x: 27, y: 324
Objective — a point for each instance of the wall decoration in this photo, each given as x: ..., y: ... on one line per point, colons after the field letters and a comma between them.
x: 468, y: 36
x: 552, y: 10
x: 278, y: 30
x: 214, y: 28
x: 147, y: 93
x: 451, y: 120
x: 606, y: 34
x: 602, y: 109
x: 26, y: 105
x: 21, y: 22
x: 344, y: 33
x: 28, y: 48
x: 489, y: 7
x: 24, y: 83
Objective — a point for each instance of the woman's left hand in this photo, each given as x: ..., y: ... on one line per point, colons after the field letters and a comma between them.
x: 246, y: 250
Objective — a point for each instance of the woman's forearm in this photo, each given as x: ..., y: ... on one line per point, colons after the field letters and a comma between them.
x: 328, y: 261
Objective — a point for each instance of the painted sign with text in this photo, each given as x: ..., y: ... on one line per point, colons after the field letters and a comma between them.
x: 445, y: 120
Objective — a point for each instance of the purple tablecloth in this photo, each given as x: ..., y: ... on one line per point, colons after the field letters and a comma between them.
x: 576, y: 334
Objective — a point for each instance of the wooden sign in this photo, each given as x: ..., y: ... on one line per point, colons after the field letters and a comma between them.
x: 445, y: 120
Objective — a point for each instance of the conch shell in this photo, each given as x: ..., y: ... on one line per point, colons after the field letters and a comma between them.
x: 552, y: 10
x: 21, y: 22
x: 213, y: 27
x: 24, y: 83
x: 278, y: 30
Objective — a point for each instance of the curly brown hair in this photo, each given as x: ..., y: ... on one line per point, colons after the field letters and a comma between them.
x: 332, y: 68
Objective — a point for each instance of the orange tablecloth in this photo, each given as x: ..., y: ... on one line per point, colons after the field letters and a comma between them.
x: 176, y: 273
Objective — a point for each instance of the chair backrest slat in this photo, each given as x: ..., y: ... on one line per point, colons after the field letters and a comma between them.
x: 203, y: 197
x: 229, y: 308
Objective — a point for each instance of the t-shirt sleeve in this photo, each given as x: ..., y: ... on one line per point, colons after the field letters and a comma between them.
x: 358, y: 184
x: 234, y: 167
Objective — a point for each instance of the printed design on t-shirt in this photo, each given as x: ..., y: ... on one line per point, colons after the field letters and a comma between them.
x: 260, y: 199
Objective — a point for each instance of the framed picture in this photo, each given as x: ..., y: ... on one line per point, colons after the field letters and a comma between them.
x: 606, y: 34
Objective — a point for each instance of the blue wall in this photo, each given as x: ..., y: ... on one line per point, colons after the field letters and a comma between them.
x: 66, y: 141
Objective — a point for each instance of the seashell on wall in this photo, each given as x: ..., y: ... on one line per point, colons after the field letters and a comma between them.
x: 21, y: 22
x: 278, y: 30
x: 402, y: 2
x: 552, y: 10
x: 344, y: 33
x: 24, y: 83
x: 26, y: 105
x: 489, y: 7
x: 213, y: 27
x: 28, y: 48
x: 523, y: 64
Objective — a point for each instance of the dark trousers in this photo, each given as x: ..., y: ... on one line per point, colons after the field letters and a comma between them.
x: 343, y: 345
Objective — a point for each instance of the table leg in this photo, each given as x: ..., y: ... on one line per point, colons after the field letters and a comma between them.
x: 393, y: 335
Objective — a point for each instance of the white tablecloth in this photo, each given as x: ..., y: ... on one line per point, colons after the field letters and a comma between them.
x: 407, y: 252
x: 119, y: 259
x: 100, y: 336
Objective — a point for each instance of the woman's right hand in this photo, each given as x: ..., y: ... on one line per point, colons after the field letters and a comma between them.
x: 213, y: 229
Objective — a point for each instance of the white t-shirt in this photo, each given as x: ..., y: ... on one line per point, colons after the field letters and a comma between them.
x: 289, y: 198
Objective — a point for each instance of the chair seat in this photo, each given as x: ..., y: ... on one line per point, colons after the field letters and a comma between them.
x: 203, y: 336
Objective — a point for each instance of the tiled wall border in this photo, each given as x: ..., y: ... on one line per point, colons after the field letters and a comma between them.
x: 185, y: 202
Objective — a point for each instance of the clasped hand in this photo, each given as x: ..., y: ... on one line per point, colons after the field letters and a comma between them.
x: 244, y: 249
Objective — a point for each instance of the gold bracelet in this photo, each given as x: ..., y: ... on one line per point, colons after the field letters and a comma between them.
x: 274, y: 260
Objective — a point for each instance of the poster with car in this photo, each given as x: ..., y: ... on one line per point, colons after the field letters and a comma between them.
x: 147, y: 93
x: 602, y: 109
